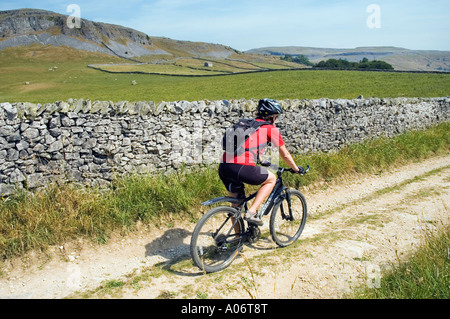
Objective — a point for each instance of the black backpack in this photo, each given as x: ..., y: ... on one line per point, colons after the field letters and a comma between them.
x: 235, y: 136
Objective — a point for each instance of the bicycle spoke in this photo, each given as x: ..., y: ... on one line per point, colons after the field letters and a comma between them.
x: 218, y: 240
x: 287, y: 221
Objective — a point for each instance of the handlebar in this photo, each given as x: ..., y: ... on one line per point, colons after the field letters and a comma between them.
x: 282, y: 169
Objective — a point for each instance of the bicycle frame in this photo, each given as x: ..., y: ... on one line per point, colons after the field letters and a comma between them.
x: 274, y: 198
x: 228, y: 229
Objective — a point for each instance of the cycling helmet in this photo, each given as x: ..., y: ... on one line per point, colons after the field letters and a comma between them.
x: 269, y: 107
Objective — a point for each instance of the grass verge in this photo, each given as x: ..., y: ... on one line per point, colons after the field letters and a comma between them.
x: 59, y: 213
x: 426, y: 274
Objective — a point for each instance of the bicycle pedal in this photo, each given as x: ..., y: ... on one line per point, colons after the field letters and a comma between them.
x: 254, y: 220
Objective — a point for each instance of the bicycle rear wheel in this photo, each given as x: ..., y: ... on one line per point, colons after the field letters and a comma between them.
x: 217, y: 239
x: 288, y: 218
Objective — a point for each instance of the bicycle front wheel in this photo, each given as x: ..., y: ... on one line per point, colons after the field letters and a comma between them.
x: 288, y: 218
x: 217, y: 239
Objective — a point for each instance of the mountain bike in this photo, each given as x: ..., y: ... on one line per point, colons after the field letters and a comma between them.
x: 220, y: 234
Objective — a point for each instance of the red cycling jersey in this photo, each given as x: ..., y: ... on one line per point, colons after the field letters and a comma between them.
x: 266, y: 133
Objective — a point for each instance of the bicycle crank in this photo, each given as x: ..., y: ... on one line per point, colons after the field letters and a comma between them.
x: 253, y: 234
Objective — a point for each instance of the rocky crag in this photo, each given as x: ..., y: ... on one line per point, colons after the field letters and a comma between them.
x: 31, y: 26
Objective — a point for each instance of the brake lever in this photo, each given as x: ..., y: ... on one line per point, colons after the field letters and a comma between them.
x: 305, y: 170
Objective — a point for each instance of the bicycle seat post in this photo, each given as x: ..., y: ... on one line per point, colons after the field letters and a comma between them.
x: 241, y: 196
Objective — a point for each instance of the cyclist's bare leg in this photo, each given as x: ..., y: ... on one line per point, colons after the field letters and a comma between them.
x: 263, y: 192
x: 236, y: 226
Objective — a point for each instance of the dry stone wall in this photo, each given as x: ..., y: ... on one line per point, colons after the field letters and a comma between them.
x: 91, y: 142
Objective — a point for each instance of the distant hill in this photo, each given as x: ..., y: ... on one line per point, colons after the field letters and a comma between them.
x: 399, y: 58
x: 32, y: 26
x: 26, y: 27
x: 44, y: 35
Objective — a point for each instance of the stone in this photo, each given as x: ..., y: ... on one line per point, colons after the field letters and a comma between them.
x: 6, y: 189
x: 13, y: 155
x: 55, y: 146
x: 15, y: 137
x: 77, y: 107
x: 30, y: 109
x: 39, y: 148
x: 89, y: 144
x: 55, y: 132
x: 16, y: 176
x: 22, y: 146
x: 10, y: 111
x: 54, y: 122
x: 67, y: 121
x: 36, y: 180
x: 31, y: 133
x: 6, y: 130
x: 64, y: 107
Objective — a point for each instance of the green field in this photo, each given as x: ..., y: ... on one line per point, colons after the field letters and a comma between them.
x: 73, y: 79
x: 196, y: 67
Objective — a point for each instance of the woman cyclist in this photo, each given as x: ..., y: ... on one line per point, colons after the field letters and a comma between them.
x: 237, y: 170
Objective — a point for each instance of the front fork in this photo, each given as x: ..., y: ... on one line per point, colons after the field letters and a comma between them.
x: 286, y: 215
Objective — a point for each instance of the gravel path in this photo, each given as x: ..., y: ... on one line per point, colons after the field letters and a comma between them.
x: 355, y: 229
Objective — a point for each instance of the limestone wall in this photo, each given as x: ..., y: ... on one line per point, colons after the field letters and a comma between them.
x: 92, y: 141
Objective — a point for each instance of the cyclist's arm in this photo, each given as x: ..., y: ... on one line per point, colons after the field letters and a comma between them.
x: 287, y: 158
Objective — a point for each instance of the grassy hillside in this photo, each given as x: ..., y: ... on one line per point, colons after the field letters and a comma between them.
x: 73, y: 79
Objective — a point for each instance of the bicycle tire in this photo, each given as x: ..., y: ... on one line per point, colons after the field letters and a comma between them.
x: 211, y: 249
x: 283, y: 231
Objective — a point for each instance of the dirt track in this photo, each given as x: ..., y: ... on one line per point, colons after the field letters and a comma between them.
x: 356, y: 228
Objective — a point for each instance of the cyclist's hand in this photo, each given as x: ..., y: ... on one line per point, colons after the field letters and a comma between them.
x: 301, y: 170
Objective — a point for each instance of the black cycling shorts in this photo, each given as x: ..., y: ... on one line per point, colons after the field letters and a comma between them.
x: 234, y: 176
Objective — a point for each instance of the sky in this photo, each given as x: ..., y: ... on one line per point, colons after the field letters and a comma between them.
x: 249, y: 24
